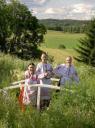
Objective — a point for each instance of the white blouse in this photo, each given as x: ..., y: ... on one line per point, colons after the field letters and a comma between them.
x: 66, y: 74
x: 41, y: 69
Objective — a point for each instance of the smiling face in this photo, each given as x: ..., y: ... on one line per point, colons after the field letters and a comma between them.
x: 31, y: 68
x: 69, y: 61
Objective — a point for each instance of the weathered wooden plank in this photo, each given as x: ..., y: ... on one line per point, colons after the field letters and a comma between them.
x: 32, y: 85
x: 55, y: 79
x: 23, y: 81
x: 17, y: 85
x: 38, y: 97
x: 18, y: 82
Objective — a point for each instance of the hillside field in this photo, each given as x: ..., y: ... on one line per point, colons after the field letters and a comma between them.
x: 53, y: 41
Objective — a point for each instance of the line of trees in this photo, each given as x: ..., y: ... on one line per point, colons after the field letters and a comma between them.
x: 70, y: 29
x: 71, y: 26
x: 20, y: 31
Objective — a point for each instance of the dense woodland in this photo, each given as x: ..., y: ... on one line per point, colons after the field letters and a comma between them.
x: 66, y: 25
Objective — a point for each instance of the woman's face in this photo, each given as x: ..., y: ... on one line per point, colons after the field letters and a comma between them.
x: 68, y: 61
x: 31, y: 68
x: 44, y: 58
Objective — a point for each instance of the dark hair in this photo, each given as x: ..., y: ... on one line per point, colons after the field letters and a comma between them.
x: 31, y: 64
x: 44, y: 53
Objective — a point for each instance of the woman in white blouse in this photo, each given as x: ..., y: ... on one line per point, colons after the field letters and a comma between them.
x: 67, y: 72
x: 44, y: 71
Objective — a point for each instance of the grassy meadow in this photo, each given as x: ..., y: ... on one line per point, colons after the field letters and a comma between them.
x: 53, y: 39
x: 67, y: 109
x: 53, y: 42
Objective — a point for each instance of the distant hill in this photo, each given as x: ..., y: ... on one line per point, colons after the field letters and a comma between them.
x: 66, y: 25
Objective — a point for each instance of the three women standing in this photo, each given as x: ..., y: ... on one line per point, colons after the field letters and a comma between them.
x: 42, y: 74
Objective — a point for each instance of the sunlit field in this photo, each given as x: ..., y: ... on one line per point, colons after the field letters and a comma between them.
x: 53, y: 42
x: 60, y: 55
x: 74, y: 108
x: 53, y: 39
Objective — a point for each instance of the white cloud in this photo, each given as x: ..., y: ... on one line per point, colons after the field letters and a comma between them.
x: 49, y: 11
x: 34, y: 11
x: 54, y: 10
x: 61, y: 9
x: 83, y: 11
x: 81, y: 8
x: 34, y: 3
x: 40, y: 1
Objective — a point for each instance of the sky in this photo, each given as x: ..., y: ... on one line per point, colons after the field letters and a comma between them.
x: 61, y: 9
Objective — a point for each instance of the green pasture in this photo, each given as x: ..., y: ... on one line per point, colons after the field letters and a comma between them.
x: 53, y: 39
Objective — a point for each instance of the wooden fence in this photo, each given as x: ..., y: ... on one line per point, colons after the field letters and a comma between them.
x: 18, y: 84
x: 39, y: 86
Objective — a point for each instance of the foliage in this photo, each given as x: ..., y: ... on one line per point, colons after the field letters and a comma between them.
x: 23, y: 33
x: 86, y: 49
x: 3, y: 26
x: 66, y: 25
x: 62, y: 46
x: 11, y: 69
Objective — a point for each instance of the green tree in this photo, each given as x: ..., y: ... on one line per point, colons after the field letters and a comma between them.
x: 86, y: 49
x: 3, y: 26
x: 27, y: 33
x: 24, y: 33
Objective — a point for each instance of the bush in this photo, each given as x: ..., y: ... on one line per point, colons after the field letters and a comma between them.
x: 61, y: 46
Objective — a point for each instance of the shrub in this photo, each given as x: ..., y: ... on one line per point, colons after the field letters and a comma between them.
x: 62, y: 46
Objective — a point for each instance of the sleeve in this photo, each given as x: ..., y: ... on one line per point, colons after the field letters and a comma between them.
x: 75, y: 75
x: 27, y: 81
x: 38, y: 72
x: 26, y: 75
x: 41, y: 76
x: 57, y: 71
x: 51, y: 69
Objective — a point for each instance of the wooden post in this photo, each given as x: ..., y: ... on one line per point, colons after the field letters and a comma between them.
x: 38, y: 97
x: 17, y: 85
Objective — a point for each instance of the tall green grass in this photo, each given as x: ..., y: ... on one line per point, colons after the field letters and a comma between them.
x: 11, y: 69
x: 67, y: 109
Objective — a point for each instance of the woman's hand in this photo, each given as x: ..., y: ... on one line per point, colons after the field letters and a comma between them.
x: 46, y: 74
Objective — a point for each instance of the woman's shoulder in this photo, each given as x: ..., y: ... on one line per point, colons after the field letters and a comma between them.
x: 39, y: 64
x: 26, y: 72
x: 61, y: 66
